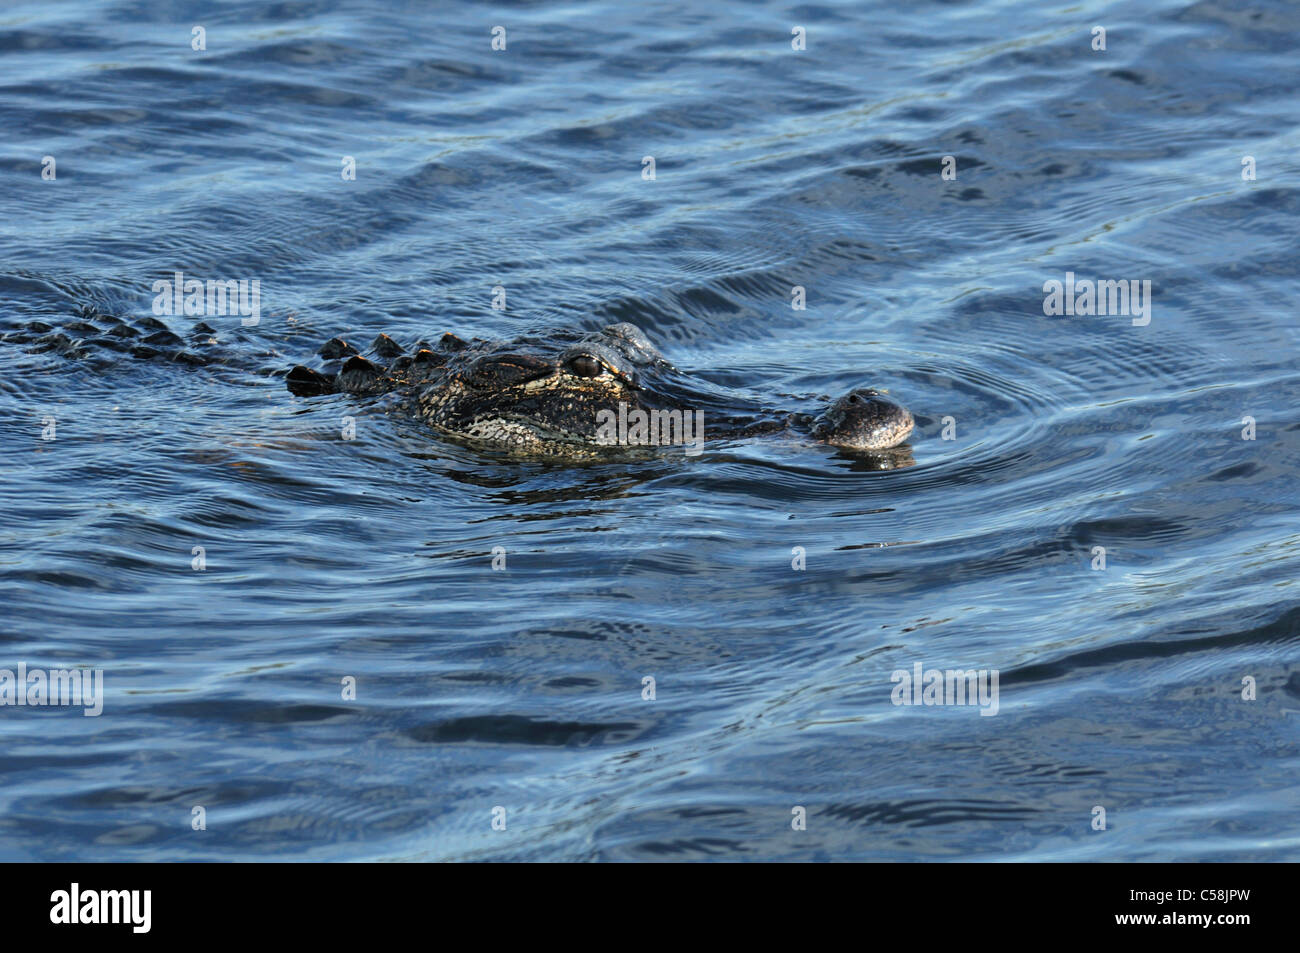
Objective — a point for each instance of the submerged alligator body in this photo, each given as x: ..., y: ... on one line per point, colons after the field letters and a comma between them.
x: 583, y: 396
x: 563, y: 395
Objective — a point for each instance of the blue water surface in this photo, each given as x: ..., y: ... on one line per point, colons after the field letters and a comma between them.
x: 232, y: 561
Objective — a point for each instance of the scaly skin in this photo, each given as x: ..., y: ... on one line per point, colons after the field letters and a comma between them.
x: 546, y: 396
x: 541, y: 396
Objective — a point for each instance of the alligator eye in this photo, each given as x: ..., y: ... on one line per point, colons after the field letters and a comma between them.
x: 585, y: 366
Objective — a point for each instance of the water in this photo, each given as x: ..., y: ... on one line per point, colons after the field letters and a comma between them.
x: 370, y: 558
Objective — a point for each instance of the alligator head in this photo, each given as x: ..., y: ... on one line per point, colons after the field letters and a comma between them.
x: 529, y: 401
x: 557, y: 397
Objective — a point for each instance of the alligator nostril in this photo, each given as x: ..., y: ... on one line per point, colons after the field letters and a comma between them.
x: 854, y: 399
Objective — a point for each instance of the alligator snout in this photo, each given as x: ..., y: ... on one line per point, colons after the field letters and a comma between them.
x: 864, y: 419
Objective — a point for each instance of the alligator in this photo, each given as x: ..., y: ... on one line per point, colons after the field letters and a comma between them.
x: 568, y: 394
x: 563, y: 397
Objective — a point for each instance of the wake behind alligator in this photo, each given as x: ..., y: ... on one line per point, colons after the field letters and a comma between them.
x: 563, y: 395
